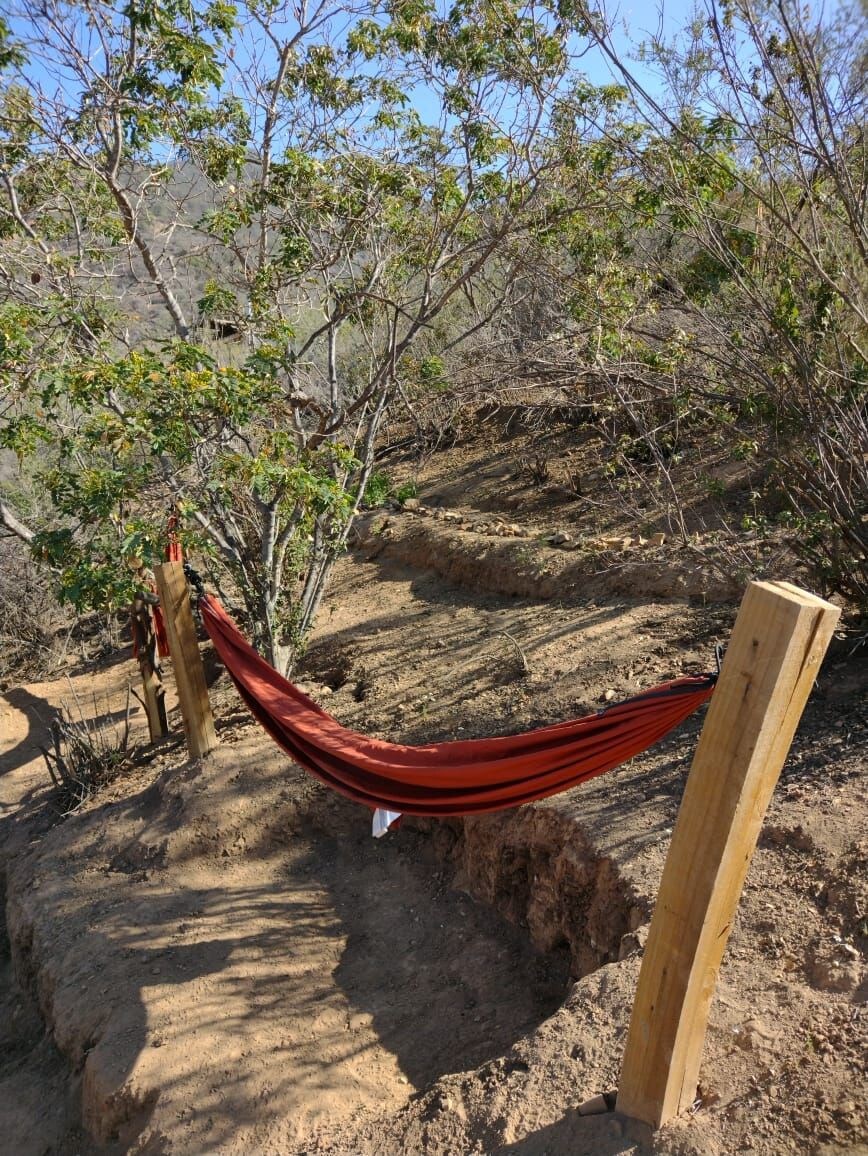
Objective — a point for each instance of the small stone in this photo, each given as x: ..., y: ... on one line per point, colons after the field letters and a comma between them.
x: 828, y: 975
x: 325, y: 691
x: 609, y: 695
x: 412, y: 505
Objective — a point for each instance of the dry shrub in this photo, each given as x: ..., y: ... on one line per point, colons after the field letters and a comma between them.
x: 87, y: 754
x: 33, y: 638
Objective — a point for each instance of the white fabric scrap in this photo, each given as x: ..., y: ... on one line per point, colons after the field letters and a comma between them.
x: 383, y: 820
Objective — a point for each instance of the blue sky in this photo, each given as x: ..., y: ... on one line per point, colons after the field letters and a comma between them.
x: 636, y: 22
x: 632, y: 23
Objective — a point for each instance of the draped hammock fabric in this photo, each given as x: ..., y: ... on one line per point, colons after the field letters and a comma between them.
x: 451, y: 778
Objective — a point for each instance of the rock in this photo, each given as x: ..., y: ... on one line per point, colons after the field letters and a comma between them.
x: 559, y: 539
x: 835, y: 975
x: 754, y: 1034
x: 325, y: 691
x: 633, y: 941
x: 609, y: 695
x: 412, y: 504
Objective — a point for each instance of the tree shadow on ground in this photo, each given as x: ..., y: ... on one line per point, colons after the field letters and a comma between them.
x: 39, y: 714
x: 447, y: 982
x: 606, y: 1135
x: 336, y: 961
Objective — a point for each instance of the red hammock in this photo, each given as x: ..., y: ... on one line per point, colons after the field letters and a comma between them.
x: 452, y: 778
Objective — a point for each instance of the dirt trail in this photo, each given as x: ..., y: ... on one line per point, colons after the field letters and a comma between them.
x: 227, y: 962
x: 230, y: 960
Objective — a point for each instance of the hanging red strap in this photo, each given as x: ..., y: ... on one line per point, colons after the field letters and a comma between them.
x: 173, y: 554
x: 173, y: 548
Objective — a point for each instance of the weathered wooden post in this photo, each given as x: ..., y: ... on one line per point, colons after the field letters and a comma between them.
x: 186, y: 660
x: 145, y: 648
x: 777, y: 645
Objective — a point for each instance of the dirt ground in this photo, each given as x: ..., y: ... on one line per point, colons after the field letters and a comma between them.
x: 218, y: 957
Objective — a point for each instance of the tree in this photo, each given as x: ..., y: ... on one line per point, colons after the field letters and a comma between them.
x: 321, y: 181
x: 748, y: 187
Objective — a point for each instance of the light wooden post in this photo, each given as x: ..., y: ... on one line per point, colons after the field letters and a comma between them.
x: 777, y: 645
x: 186, y: 660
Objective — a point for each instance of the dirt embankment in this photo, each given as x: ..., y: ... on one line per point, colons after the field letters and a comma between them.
x: 226, y: 961
x: 488, y: 556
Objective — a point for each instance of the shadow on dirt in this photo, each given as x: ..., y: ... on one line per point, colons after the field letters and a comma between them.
x: 39, y: 715
x: 336, y: 960
x: 606, y: 1135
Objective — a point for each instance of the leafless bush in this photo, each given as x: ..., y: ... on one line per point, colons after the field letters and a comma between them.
x: 825, y: 474
x: 33, y: 642
x: 536, y: 468
x: 87, y: 754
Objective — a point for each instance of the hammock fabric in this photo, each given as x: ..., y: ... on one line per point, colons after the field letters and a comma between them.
x: 451, y: 778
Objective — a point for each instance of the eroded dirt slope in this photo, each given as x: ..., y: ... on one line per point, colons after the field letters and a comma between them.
x: 225, y: 960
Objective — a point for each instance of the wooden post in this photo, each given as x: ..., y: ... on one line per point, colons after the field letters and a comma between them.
x: 186, y: 660
x: 145, y: 646
x: 777, y: 645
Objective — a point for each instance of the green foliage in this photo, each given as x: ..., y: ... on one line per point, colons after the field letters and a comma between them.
x: 124, y: 420
x: 216, y: 299
x: 378, y: 489
x: 361, y: 234
x: 405, y: 491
